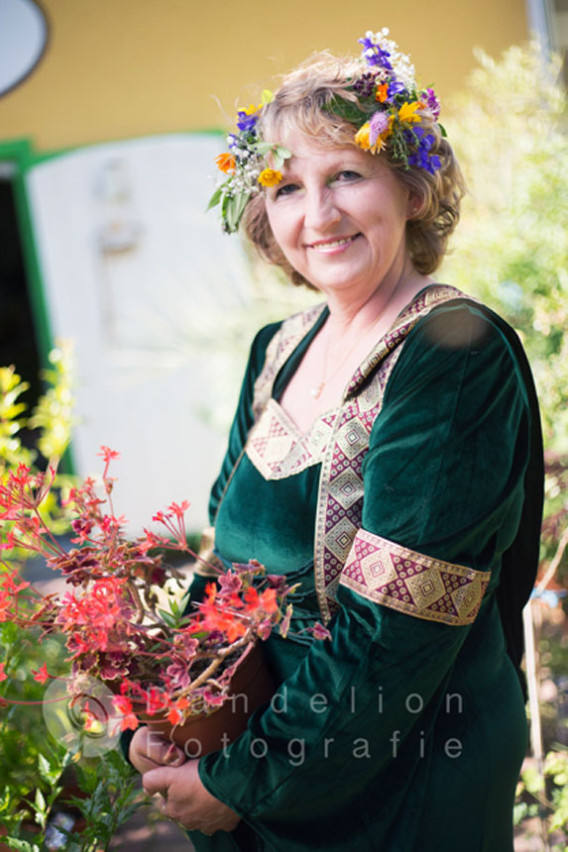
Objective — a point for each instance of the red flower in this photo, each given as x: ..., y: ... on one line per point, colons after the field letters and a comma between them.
x: 107, y: 454
x: 216, y: 617
x: 129, y: 722
x: 265, y: 601
x: 122, y: 704
x: 175, y: 714
x: 155, y: 701
x: 41, y: 675
x: 9, y: 581
x: 179, y: 510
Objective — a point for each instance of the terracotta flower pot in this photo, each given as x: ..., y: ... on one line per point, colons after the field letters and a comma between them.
x: 251, y: 686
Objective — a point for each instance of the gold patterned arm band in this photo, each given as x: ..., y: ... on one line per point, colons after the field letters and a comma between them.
x: 206, y: 561
x: 410, y: 582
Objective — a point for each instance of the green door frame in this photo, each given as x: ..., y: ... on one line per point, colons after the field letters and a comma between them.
x: 19, y: 153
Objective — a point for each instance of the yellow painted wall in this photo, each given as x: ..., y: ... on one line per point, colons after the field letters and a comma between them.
x: 121, y: 68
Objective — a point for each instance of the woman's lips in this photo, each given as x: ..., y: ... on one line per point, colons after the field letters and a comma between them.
x: 330, y: 246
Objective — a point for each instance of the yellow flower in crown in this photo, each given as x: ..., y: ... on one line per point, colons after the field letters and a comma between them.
x: 362, y: 137
x: 269, y: 177
x: 407, y: 112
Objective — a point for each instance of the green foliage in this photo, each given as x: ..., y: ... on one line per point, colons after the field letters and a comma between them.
x: 110, y: 796
x: 26, y: 800
x: 53, y: 415
x: 545, y: 794
x: 28, y: 789
x: 12, y: 452
x: 508, y: 130
x: 102, y: 794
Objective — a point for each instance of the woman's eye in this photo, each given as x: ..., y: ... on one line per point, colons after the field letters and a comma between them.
x: 347, y: 175
x: 287, y: 189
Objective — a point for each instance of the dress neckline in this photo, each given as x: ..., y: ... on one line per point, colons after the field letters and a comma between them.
x: 360, y: 371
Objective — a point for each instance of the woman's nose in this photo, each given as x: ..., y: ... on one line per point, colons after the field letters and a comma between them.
x: 321, y: 212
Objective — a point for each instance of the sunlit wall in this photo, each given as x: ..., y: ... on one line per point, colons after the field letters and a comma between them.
x: 121, y: 68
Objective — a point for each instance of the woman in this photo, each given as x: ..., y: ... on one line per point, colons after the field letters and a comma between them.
x: 386, y: 455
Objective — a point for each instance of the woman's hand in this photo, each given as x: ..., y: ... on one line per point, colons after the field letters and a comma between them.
x: 186, y: 801
x: 148, y: 750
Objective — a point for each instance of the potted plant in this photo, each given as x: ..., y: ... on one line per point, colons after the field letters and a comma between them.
x: 123, y: 623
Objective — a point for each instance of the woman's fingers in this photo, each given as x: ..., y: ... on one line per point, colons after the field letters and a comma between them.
x: 185, y: 800
x: 149, y: 750
x: 156, y: 781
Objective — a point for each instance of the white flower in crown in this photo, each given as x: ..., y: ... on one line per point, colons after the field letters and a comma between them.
x: 382, y: 54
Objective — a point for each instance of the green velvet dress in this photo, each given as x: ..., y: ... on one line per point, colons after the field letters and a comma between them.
x: 407, y: 730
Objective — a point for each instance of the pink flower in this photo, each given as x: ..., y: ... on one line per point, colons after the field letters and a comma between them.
x: 215, y: 699
x: 178, y: 675
x: 285, y: 623
x: 432, y: 101
x: 230, y: 583
x: 318, y: 631
x: 377, y: 125
x: 186, y: 644
x: 265, y: 628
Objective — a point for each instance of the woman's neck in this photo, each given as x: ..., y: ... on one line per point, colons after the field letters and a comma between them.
x: 351, y: 316
x: 344, y: 341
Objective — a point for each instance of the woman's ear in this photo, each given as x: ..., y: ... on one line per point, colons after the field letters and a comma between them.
x: 414, y: 205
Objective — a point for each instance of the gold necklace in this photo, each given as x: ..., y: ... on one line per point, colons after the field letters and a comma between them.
x: 317, y: 390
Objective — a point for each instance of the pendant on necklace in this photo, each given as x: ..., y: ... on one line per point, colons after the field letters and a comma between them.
x: 315, y: 392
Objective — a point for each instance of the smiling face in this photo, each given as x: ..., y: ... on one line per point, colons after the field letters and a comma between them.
x: 339, y: 216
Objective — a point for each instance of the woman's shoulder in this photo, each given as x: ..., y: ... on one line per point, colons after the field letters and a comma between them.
x: 463, y: 323
x: 457, y: 331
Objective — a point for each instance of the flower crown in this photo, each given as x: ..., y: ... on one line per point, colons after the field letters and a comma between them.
x: 388, y: 111
x: 246, y: 165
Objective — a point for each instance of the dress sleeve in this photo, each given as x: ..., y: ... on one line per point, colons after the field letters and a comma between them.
x: 443, y: 492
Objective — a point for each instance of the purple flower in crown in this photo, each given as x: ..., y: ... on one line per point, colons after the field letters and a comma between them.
x: 378, y: 123
x: 375, y: 55
x: 395, y: 88
x: 366, y: 84
x: 430, y: 97
x: 246, y: 121
x: 434, y: 164
x: 421, y: 157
